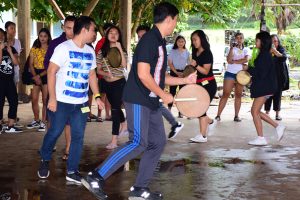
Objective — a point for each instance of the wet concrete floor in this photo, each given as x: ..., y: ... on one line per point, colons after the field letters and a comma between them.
x: 224, y: 168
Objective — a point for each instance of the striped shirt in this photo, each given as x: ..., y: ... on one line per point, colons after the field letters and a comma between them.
x: 106, y: 67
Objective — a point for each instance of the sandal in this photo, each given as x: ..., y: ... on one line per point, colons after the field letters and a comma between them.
x: 111, y: 146
x: 237, y: 119
x: 93, y: 117
x: 88, y: 119
x: 99, y: 119
x: 65, y: 157
x: 218, y: 118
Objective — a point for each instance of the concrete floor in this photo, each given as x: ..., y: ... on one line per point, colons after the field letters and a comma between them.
x: 224, y: 168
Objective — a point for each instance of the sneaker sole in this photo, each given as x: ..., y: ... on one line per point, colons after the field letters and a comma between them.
x: 31, y: 127
x: 41, y: 130
x: 280, y: 138
x: 87, y: 186
x: 197, y: 141
x: 73, y: 180
x: 13, y: 131
x: 136, y: 198
x: 177, y: 132
x: 258, y: 144
x: 43, y: 177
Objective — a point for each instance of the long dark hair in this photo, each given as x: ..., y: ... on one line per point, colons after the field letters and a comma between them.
x: 178, y: 38
x: 279, y: 43
x: 106, y: 46
x: 265, y: 41
x: 204, y: 41
x: 38, y: 42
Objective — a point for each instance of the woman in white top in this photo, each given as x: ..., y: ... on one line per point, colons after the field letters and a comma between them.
x: 236, y: 57
x: 177, y: 60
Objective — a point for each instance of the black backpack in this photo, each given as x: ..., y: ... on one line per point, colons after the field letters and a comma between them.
x: 26, y: 75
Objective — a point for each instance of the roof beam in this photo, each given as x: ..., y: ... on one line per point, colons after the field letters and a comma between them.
x: 282, y: 4
x: 90, y: 7
x: 57, y: 9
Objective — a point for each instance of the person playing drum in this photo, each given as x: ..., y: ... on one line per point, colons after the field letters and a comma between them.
x: 202, y: 60
x: 237, y: 55
x: 115, y: 82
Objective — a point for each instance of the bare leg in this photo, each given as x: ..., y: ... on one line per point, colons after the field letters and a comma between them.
x: 68, y: 138
x: 227, y: 88
x: 44, y: 98
x: 35, y: 102
x: 238, y: 91
x: 256, y: 114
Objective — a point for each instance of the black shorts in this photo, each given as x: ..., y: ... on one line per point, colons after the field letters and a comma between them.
x: 102, y: 86
x: 43, y: 78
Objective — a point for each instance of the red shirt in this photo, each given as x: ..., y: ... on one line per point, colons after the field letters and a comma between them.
x: 97, y: 49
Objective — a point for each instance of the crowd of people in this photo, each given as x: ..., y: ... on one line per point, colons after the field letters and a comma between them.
x: 70, y: 73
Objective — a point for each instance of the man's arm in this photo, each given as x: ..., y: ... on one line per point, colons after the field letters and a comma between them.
x: 148, y: 81
x: 170, y: 80
x: 51, y: 75
x: 95, y: 88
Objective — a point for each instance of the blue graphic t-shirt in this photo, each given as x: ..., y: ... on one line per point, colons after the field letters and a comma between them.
x: 72, y: 78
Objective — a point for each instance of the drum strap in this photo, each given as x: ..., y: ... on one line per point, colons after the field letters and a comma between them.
x: 205, y: 79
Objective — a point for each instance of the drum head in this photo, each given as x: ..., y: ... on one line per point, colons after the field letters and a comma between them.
x: 243, y: 77
x: 193, y: 108
x: 114, y: 57
x: 189, y: 69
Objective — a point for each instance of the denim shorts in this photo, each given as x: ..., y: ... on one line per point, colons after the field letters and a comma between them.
x: 230, y: 76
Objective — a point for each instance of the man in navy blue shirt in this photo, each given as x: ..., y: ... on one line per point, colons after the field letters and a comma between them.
x: 142, y: 92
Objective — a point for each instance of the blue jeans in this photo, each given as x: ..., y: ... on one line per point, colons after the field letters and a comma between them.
x: 58, y: 120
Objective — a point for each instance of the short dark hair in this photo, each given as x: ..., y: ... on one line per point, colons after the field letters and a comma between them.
x: 163, y: 10
x: 70, y: 18
x: 142, y: 28
x: 82, y: 22
x: 107, y: 26
x: 8, y: 24
x: 265, y: 41
x: 175, y: 46
x: 4, y: 33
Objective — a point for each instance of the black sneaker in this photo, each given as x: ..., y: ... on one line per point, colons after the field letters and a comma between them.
x: 94, y: 183
x: 75, y: 178
x: 43, y: 171
x: 175, y: 130
x: 13, y: 129
x: 137, y: 193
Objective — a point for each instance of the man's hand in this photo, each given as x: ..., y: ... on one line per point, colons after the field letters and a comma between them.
x: 100, y: 104
x: 52, y: 104
x: 192, y: 78
x: 167, y: 98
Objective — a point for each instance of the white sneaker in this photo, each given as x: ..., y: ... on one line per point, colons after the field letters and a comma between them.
x: 259, y: 141
x: 280, y: 131
x: 42, y: 127
x: 199, y: 138
x: 211, y: 127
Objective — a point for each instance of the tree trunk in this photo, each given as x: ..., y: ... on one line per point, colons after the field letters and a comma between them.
x: 139, y: 16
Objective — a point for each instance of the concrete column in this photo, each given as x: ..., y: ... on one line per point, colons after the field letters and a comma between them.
x: 24, y: 33
x: 125, y: 23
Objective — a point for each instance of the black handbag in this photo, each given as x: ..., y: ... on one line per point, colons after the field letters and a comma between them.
x: 26, y: 75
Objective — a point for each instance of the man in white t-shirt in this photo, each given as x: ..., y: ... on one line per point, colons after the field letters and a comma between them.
x: 237, y: 56
x: 71, y: 70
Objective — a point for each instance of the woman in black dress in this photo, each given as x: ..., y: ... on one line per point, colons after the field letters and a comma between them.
x: 264, y: 85
x: 279, y: 57
x: 202, y: 60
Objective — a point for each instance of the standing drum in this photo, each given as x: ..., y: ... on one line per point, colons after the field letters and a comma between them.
x: 196, y: 103
x: 243, y: 77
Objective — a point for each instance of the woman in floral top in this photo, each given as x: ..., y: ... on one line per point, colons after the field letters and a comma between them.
x: 39, y: 76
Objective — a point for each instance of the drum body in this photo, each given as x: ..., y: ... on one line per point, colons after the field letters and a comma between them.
x: 193, y: 108
x: 243, y: 77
